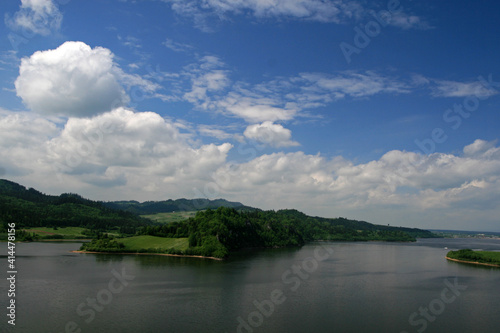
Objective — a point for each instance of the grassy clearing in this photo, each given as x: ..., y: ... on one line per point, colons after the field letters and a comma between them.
x: 66, y: 232
x: 137, y: 243
x: 170, y: 217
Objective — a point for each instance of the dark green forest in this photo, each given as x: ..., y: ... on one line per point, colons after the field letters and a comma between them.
x: 30, y: 208
x: 221, y: 231
x: 212, y: 232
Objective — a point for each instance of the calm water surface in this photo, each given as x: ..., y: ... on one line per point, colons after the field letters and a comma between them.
x: 321, y: 287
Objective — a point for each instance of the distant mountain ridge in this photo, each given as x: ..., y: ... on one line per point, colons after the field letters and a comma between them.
x: 178, y: 205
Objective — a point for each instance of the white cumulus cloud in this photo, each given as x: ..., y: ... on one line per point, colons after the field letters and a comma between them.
x: 482, y: 148
x: 72, y: 80
x: 140, y: 155
x: 139, y: 150
x: 126, y: 140
x: 22, y: 142
x: 397, y: 184
x: 271, y: 134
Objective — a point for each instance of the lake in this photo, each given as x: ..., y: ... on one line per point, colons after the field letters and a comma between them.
x: 321, y: 287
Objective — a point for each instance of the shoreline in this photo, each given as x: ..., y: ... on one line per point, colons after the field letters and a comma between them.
x: 472, y: 262
x: 151, y: 254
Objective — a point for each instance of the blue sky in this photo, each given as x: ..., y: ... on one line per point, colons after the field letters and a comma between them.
x: 385, y: 111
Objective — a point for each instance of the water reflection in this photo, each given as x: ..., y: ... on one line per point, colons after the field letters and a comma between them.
x: 107, y: 258
x: 362, y: 287
x: 155, y: 261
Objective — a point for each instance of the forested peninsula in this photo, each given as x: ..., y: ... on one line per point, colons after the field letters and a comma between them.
x: 215, y: 228
x: 468, y: 256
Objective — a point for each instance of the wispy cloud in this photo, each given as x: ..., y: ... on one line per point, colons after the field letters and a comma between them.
x: 219, y: 132
x: 194, y: 10
x: 461, y: 89
x: 9, y: 60
x: 316, y: 10
x: 130, y: 41
x: 329, y: 87
x: 177, y: 47
x: 37, y: 16
x: 280, y: 99
x: 204, y: 13
x: 286, y: 98
x: 407, y: 21
x: 207, y: 78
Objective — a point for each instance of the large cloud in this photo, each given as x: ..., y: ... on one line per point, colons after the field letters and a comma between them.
x: 123, y: 146
x: 141, y: 150
x: 398, y: 182
x: 22, y: 138
x: 72, y: 80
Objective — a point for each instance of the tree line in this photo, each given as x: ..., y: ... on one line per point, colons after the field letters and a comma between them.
x: 221, y: 231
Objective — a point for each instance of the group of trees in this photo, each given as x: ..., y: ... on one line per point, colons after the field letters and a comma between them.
x: 218, y: 232
x: 103, y: 243
x: 469, y: 255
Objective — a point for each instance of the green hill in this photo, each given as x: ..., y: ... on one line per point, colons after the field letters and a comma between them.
x: 29, y: 208
x: 361, y: 225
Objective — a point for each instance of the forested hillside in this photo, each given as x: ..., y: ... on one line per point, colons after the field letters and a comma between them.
x: 31, y: 208
x: 211, y: 232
